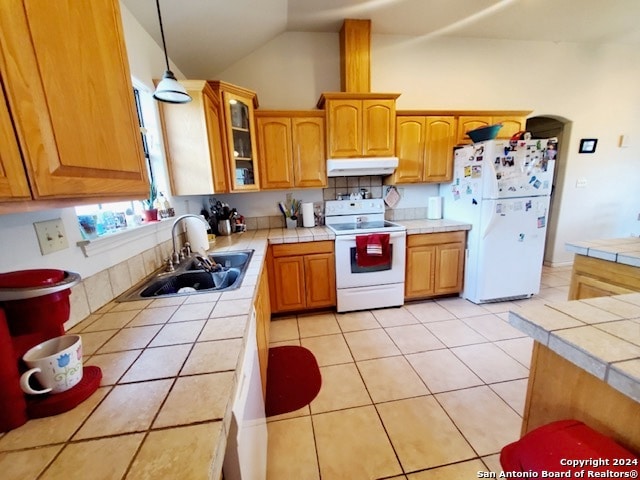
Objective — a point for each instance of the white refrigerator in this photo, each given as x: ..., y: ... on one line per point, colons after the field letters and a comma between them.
x: 502, y: 189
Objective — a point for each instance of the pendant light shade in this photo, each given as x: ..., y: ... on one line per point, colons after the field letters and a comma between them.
x: 169, y: 90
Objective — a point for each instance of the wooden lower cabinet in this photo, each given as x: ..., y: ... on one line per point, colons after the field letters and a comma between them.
x: 302, y: 276
x: 594, y: 277
x: 263, y: 320
x: 435, y: 264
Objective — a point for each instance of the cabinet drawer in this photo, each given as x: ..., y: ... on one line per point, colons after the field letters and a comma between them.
x: 435, y: 238
x: 304, y: 248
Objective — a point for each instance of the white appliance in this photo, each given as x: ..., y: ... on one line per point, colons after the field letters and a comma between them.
x: 364, y: 287
x: 246, y: 453
x: 343, y: 167
x: 502, y: 189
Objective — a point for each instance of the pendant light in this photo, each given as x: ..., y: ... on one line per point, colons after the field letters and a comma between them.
x: 169, y: 90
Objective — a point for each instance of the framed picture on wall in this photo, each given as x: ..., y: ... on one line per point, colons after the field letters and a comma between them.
x: 588, y: 145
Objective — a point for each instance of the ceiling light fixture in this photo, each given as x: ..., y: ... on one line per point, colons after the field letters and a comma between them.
x: 169, y: 90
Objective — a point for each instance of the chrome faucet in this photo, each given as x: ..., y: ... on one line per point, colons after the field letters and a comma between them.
x: 175, y: 256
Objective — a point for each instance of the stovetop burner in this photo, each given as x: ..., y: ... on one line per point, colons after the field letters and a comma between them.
x: 365, y: 227
x: 358, y: 217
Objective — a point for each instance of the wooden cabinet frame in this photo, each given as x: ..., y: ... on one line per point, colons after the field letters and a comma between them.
x: 360, y: 124
x: 302, y: 276
x: 70, y: 97
x: 435, y: 264
x: 291, y: 149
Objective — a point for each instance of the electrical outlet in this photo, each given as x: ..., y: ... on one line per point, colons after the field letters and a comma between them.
x: 581, y: 182
x: 51, y: 236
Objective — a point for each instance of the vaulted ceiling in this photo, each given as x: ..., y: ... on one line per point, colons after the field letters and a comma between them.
x: 206, y: 36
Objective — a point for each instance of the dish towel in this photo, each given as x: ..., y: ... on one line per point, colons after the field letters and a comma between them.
x: 373, y: 250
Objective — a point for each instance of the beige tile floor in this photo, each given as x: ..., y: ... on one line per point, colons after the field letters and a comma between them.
x: 431, y: 390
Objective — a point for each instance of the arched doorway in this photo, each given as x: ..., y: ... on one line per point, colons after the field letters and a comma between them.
x: 547, y: 127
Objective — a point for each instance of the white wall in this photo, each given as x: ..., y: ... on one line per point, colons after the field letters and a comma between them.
x: 592, y: 86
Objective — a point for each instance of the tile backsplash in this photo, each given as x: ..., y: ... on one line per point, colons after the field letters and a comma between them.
x: 348, y: 185
x: 93, y: 292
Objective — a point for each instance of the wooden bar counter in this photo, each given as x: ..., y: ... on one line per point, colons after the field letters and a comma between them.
x: 585, y: 364
x: 605, y: 267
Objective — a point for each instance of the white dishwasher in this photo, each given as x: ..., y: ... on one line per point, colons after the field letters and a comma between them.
x: 246, y: 454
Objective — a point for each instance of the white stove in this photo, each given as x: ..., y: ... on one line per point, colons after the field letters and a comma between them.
x: 363, y: 281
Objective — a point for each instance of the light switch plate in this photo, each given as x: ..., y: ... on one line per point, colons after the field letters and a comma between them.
x: 51, y: 236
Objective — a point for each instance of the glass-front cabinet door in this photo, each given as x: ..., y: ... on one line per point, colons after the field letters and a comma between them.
x: 243, y: 164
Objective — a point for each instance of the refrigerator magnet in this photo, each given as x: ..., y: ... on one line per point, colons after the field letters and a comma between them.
x: 476, y: 171
x: 521, y: 237
x: 467, y: 171
x: 542, y: 222
x: 527, y: 205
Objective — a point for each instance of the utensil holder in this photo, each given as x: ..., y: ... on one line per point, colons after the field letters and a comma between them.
x: 292, y: 223
x: 224, y: 227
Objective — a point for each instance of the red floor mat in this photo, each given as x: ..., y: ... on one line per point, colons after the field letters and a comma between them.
x: 293, y: 379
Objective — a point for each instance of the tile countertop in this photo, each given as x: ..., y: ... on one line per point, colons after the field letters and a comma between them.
x: 169, y: 365
x: 600, y: 335
x: 620, y: 250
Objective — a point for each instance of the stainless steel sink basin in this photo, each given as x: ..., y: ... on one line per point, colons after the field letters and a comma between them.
x: 191, y: 278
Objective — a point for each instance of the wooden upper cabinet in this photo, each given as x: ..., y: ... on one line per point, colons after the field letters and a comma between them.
x: 275, y: 149
x: 466, y: 123
x: 359, y: 124
x: 239, y: 125
x: 309, y: 157
x: 424, y: 147
x: 193, y: 141
x: 13, y: 179
x: 379, y: 127
x: 291, y: 149
x: 411, y: 134
x: 511, y: 124
x: 344, y: 120
x: 66, y: 76
x: 440, y: 140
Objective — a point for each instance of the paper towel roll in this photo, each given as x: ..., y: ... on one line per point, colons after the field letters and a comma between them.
x: 197, y: 235
x: 434, y: 208
x: 308, y: 219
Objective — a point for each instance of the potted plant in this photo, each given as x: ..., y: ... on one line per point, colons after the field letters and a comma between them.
x: 150, y: 213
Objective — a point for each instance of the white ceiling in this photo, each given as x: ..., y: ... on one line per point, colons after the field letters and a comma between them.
x: 204, y: 37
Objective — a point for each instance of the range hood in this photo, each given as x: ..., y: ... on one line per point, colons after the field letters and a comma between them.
x: 353, y: 167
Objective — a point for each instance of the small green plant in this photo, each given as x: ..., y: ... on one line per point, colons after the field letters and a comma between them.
x: 153, y: 194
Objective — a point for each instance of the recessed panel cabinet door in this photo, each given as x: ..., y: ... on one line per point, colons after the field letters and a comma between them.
x: 288, y: 274
x: 411, y: 136
x: 274, y: 152
x: 309, y: 159
x: 441, y: 138
x: 13, y: 180
x: 344, y: 118
x: 378, y: 125
x: 320, y: 279
x: 69, y: 91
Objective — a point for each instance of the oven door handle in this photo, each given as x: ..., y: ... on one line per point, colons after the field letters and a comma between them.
x: 352, y: 238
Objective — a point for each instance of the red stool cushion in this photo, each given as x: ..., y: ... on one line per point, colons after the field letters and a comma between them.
x: 559, y: 446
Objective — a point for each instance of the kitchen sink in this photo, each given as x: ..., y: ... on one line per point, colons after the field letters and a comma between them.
x: 190, y: 277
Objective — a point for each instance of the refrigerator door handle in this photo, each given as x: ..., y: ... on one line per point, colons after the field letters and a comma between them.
x: 492, y: 222
x: 491, y: 183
